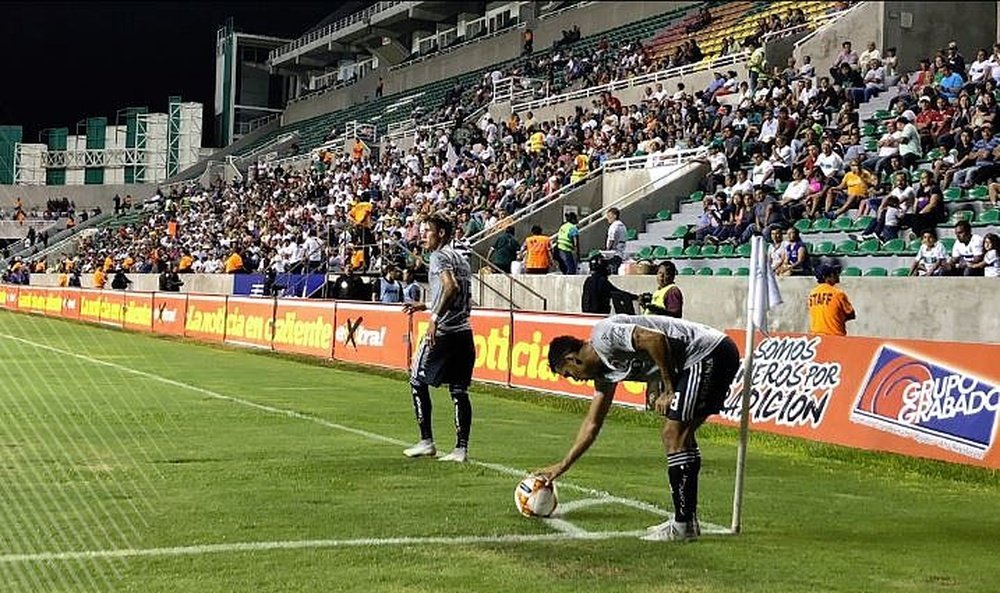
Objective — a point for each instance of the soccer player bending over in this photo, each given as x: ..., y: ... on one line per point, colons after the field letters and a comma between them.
x: 696, y: 365
x: 447, y: 352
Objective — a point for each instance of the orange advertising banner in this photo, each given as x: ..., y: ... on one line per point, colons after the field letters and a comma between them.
x: 70, y: 303
x: 372, y: 334
x: 112, y: 307
x: 31, y: 300
x: 304, y: 327
x: 249, y: 321
x: 137, y: 311
x: 8, y: 296
x: 938, y: 400
x: 169, y: 313
x: 90, y: 305
x: 205, y: 318
x: 530, y: 356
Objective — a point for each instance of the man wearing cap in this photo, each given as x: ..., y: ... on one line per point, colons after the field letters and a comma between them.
x: 829, y: 307
x: 929, y: 123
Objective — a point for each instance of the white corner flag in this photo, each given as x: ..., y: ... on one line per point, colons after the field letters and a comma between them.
x: 762, y: 294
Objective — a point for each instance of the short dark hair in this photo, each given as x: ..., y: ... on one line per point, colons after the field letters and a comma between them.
x: 536, y: 230
x: 571, y: 217
x: 615, y: 211
x: 963, y: 225
x: 561, y: 347
x: 441, y: 223
x: 669, y: 266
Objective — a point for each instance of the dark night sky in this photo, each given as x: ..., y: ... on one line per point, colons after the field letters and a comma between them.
x: 67, y: 61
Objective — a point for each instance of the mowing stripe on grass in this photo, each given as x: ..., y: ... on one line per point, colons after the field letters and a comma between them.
x: 315, y: 544
x: 503, y: 469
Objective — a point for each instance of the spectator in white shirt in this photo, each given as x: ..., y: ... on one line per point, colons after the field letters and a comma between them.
x: 830, y: 163
x: 617, y: 236
x: 931, y: 257
x: 762, y: 173
x: 866, y: 57
x: 991, y: 262
x: 966, y: 253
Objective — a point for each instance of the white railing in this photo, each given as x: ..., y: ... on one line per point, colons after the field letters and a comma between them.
x: 250, y: 126
x: 408, y: 127
x: 357, y: 17
x: 649, y: 161
x: 534, y: 207
x: 626, y: 83
x: 826, y: 21
x: 518, y: 88
x: 574, y: 6
x: 451, y: 48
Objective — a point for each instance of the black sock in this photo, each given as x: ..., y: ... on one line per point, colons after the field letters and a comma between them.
x: 463, y: 414
x: 422, y: 408
x: 682, y: 469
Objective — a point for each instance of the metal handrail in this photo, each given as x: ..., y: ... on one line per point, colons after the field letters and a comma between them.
x: 626, y: 83
x: 513, y: 281
x: 619, y: 203
x: 653, y: 160
x: 534, y: 207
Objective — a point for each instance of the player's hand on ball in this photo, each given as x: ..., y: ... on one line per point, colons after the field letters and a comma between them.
x: 550, y: 473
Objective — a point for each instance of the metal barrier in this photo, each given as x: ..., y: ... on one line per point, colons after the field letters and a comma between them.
x: 654, y: 160
x: 828, y: 20
x: 512, y: 281
x: 626, y: 83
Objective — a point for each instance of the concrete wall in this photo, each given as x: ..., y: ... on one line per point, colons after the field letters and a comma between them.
x: 863, y: 25
x: 592, y: 19
x: 194, y: 283
x: 85, y: 196
x: 887, y: 307
x: 972, y: 24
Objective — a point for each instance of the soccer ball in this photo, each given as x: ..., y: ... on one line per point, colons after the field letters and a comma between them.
x: 535, y: 497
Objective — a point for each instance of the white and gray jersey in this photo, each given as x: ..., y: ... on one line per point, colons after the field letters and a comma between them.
x: 690, y: 343
x: 456, y: 318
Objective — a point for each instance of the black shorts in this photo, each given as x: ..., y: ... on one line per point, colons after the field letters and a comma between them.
x: 703, y: 387
x: 450, y: 360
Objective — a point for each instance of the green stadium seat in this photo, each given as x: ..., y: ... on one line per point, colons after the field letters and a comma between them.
x: 934, y: 154
x: 958, y: 215
x: 686, y: 271
x: 705, y: 272
x: 709, y: 250
x: 988, y: 217
x: 900, y: 272
x: 848, y: 247
x: 726, y: 250
x: 644, y: 253
x: 681, y: 232
x: 696, y: 196
x: 948, y: 243
x: 804, y: 225
x: 979, y: 193
x: 869, y: 247
x: 660, y: 252
x: 952, y: 194
x: 851, y: 272
x: 821, y: 225
x: 664, y: 215
x: 742, y: 271
x: 743, y: 250
x: 862, y: 223
x: 844, y: 223
x: 675, y: 251
x: 632, y: 235
x: 880, y: 272
x: 723, y: 272
x: 914, y: 246
x: 692, y: 251
x: 823, y: 248
x: 895, y: 247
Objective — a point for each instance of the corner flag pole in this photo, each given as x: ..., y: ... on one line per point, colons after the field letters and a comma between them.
x: 755, y: 285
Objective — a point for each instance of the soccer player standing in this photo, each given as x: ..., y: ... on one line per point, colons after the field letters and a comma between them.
x: 696, y: 365
x: 447, y: 352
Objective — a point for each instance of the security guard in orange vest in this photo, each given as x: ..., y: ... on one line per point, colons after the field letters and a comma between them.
x: 537, y: 251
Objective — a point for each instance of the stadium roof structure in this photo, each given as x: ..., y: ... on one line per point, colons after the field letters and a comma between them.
x: 363, y: 31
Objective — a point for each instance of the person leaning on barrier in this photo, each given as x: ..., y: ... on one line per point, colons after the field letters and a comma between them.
x: 668, y: 299
x: 598, y: 291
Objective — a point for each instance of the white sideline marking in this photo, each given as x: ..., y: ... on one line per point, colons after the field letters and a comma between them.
x: 503, y: 469
x: 318, y: 543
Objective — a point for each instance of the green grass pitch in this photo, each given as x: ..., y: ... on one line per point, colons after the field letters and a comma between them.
x: 133, y: 463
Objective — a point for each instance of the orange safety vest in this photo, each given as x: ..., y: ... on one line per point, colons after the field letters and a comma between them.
x: 538, y: 248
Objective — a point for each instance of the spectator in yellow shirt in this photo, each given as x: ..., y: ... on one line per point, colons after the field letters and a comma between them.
x: 234, y: 263
x: 185, y: 263
x: 100, y: 278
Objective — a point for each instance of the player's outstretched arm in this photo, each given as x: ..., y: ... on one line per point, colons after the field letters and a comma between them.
x: 588, y: 432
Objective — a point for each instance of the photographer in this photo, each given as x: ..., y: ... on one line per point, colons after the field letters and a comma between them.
x: 668, y: 299
x: 598, y: 291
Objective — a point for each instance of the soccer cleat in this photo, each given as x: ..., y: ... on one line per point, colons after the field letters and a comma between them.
x: 459, y: 455
x: 424, y: 448
x: 673, y: 531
